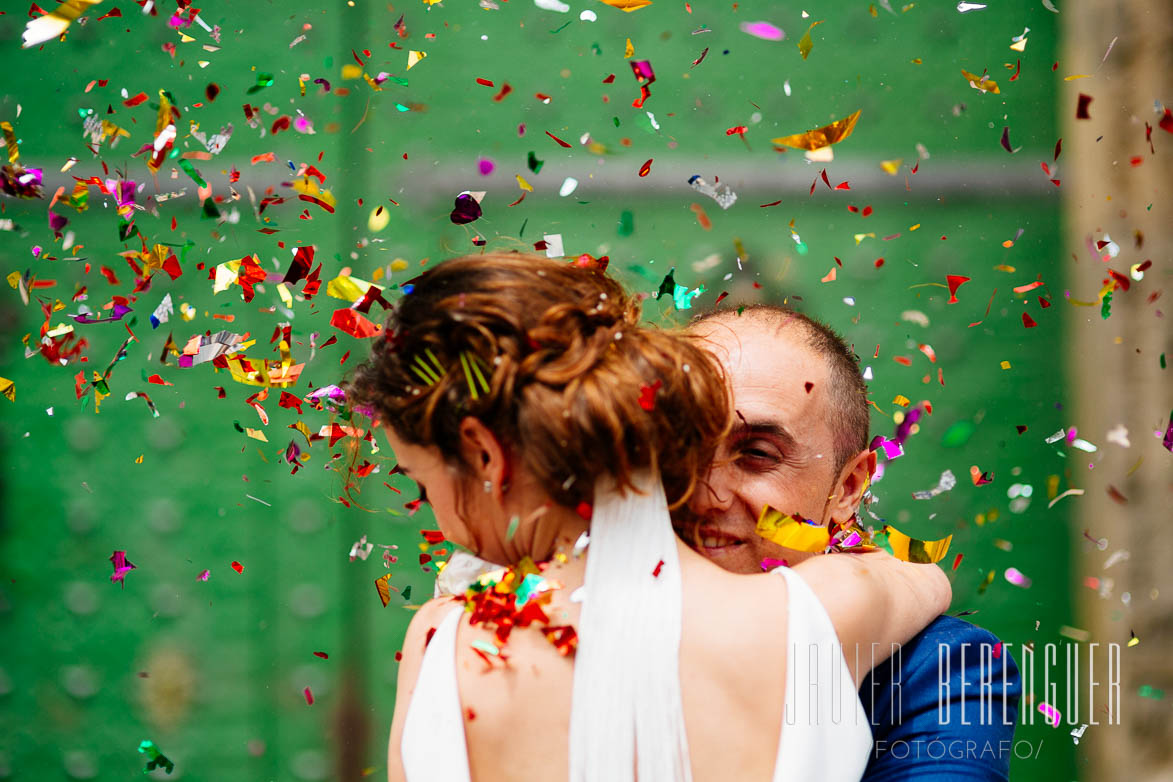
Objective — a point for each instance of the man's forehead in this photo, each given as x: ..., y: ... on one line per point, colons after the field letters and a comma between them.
x: 773, y: 372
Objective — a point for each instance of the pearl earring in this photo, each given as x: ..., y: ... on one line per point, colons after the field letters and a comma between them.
x: 488, y: 487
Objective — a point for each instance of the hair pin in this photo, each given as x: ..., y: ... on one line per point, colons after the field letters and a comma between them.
x: 470, y: 361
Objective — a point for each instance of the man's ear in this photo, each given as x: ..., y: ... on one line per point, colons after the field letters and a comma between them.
x: 484, y: 454
x: 849, y: 489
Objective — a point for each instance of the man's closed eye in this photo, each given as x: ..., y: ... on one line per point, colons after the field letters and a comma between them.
x: 755, y: 455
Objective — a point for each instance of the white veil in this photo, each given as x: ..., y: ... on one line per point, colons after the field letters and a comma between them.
x: 627, y: 717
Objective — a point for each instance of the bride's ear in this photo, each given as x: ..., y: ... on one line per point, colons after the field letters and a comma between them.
x: 485, y: 456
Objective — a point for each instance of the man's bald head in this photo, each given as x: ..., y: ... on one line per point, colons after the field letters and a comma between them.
x: 847, y: 404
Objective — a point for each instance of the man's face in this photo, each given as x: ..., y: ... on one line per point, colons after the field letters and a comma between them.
x: 780, y: 451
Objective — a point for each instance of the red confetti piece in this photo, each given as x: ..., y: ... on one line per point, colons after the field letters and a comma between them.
x: 1005, y: 141
x: 645, y: 169
x: 902, y: 360
x: 1028, y: 287
x: 585, y: 510
x: 561, y: 143
x: 659, y: 567
x: 736, y: 129
x: 928, y: 351
x: 647, y: 395
x: 505, y: 90
x: 988, y: 305
x: 485, y: 82
x: 1028, y: 321
x: 957, y: 560
x: 955, y: 281
x: 1081, y: 111
x: 867, y: 211
x: 1017, y: 69
x: 239, y: 568
x: 309, y: 697
x: 323, y: 655
x: 113, y: 12
x: 158, y: 381
x: 1058, y: 149
x: 775, y: 203
x: 610, y: 79
x: 432, y: 536
x: 843, y: 186
x: 1166, y: 123
x: 317, y: 201
x: 136, y: 100
x: 721, y: 298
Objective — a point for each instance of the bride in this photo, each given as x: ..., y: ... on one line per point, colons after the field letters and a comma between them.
x: 551, y: 432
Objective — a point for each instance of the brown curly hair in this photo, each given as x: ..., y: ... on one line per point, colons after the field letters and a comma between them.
x: 552, y: 358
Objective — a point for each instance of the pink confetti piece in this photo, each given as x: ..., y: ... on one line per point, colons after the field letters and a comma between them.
x: 763, y: 30
x: 309, y: 697
x: 1016, y: 577
x: 204, y: 575
x: 1051, y: 713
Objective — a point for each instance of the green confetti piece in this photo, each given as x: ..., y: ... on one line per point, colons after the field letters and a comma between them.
x: 668, y: 285
x: 596, y: 50
x: 1162, y: 361
x: 486, y: 647
x: 616, y: 121
x: 683, y: 297
x: 802, y: 248
x: 560, y: 29
x: 958, y: 434
x: 512, y: 530
x: 190, y: 170
x: 155, y: 758
x: 210, y: 210
x: 626, y: 223
x: 1148, y: 691
x: 400, y: 107
x: 263, y: 80
x: 1106, y: 306
x: 406, y: 589
x: 402, y: 82
x: 534, y: 164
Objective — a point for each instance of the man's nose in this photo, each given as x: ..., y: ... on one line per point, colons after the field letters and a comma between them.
x: 715, y: 493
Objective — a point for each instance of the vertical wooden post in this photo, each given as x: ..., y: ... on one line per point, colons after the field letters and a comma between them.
x: 1115, y: 186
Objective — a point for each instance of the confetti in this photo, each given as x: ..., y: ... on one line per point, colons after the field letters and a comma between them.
x: 792, y: 532
x: 54, y: 23
x: 944, y: 484
x: 724, y: 197
x: 819, y: 138
x: 913, y: 550
x: 122, y: 566
x: 762, y: 30
x: 155, y: 758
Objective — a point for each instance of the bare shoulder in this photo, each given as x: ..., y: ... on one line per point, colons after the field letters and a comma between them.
x: 423, y: 625
x: 427, y: 618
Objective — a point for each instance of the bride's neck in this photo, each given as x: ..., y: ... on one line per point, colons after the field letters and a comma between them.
x: 550, y: 534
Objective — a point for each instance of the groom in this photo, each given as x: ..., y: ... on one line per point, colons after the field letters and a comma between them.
x: 944, y: 706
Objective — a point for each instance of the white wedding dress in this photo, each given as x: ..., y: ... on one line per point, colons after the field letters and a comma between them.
x: 627, y: 721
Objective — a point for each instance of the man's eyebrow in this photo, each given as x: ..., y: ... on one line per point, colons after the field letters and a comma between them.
x: 745, y: 428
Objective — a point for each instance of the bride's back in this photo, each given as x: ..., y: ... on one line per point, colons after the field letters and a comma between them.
x: 732, y: 678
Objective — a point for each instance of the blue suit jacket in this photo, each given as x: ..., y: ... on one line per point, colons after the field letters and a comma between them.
x: 919, y: 701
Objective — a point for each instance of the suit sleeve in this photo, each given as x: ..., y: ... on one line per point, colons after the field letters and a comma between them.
x: 944, y: 708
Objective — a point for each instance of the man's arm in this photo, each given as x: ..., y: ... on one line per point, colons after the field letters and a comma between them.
x: 944, y: 707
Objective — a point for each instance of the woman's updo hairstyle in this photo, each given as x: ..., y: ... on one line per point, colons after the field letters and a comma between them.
x: 550, y: 357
